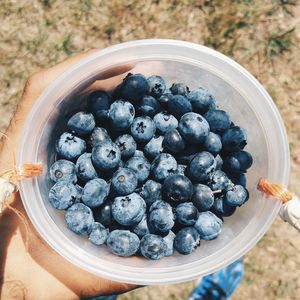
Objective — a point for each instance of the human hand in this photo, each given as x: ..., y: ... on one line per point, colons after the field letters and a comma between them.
x: 39, y: 272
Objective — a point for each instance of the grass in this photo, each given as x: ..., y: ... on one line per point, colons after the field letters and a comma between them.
x: 263, y: 36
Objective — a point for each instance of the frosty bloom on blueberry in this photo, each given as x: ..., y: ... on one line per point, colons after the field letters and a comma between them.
x: 150, y: 168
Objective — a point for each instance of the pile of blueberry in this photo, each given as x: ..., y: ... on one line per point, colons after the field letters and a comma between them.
x: 148, y: 169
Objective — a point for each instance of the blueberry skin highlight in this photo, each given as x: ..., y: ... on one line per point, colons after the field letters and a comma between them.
x: 201, y: 167
x: 220, y: 181
x: 213, y: 143
x: 63, y: 194
x: 148, y: 106
x: 177, y: 188
x: 143, y: 129
x: 160, y: 217
x: 69, y: 146
x: 81, y: 123
x: 151, y: 191
x: 133, y: 88
x: 163, y: 166
x: 164, y: 122
x: 98, y: 136
x: 203, y: 197
x: 106, y: 156
x: 84, y: 167
x: 179, y: 89
x: 95, y: 192
x: 63, y: 169
x: 237, y: 196
x: 219, y: 162
x: 169, y: 241
x: 98, y: 104
x: 126, y: 144
x: 202, y: 100
x: 79, y: 219
x: 157, y: 85
x: 179, y: 105
x: 193, y: 128
x: 121, y: 114
x: 141, y: 166
x: 208, y: 225
x: 128, y: 210
x: 154, y: 146
x: 124, y: 181
x: 98, y: 234
x: 123, y: 243
x: 218, y: 120
x: 141, y: 228
x: 187, y: 240
x: 153, y: 246
x: 234, y: 139
x: 186, y: 214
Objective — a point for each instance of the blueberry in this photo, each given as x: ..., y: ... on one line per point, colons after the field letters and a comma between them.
x: 193, y: 128
x: 177, y: 188
x: 219, y: 162
x: 81, y: 123
x: 187, y: 240
x: 149, y: 106
x: 202, y: 167
x: 143, y: 129
x: 221, y: 209
x: 181, y: 169
x: 238, y: 162
x: 123, y: 243
x: 160, y: 217
x: 124, y: 181
x: 99, y: 234
x: 63, y: 194
x: 157, y: 85
x: 121, y: 114
x: 106, y: 155
x: 70, y: 146
x: 151, y: 191
x: 98, y: 136
x: 208, y: 225
x: 126, y: 144
x: 79, y: 193
x: 128, y: 210
x: 84, y: 167
x: 179, y: 89
x: 237, y: 196
x: 98, y: 104
x: 179, y: 105
x: 79, y: 219
x: 165, y: 98
x: 186, y: 214
x: 202, y: 100
x: 104, y: 215
x: 164, y: 122
x: 189, y: 152
x: 163, y: 166
x: 213, y: 143
x: 203, y: 197
x: 173, y: 141
x: 238, y: 178
x: 139, y: 153
x: 95, y: 192
x: 141, y: 166
x: 218, y: 120
x: 220, y: 181
x: 234, y: 139
x: 141, y: 228
x: 152, y: 246
x: 133, y: 88
x: 154, y: 146
x: 63, y: 170
x: 169, y: 241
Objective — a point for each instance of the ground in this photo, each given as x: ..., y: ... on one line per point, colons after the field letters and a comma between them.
x: 263, y: 36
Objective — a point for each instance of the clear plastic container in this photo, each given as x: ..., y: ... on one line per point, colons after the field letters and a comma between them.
x: 236, y: 90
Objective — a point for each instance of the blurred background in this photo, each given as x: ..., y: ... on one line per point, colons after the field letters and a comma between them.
x: 262, y: 35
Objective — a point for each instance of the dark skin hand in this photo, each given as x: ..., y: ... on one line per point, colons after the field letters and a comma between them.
x: 39, y: 272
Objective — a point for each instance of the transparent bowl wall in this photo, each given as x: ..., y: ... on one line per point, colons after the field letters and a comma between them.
x: 236, y: 92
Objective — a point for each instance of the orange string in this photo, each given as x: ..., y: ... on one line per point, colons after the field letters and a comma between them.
x: 274, y: 189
